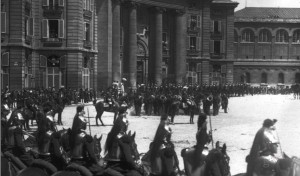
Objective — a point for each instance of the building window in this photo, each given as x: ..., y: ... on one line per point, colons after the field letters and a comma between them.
x: 53, y: 3
x: 282, y: 36
x: 281, y: 78
x: 165, y: 41
x: 236, y: 37
x: 53, y: 28
x: 194, y: 21
x: 264, y: 78
x: 87, y: 32
x: 3, y: 22
x: 248, y: 36
x: 86, y: 78
x: 264, y: 36
x: 217, y: 47
x: 217, y: 27
x: 192, y: 43
x: 296, y: 36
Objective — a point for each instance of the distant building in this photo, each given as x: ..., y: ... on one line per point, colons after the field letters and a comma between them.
x: 48, y: 43
x: 267, y: 46
x: 90, y: 44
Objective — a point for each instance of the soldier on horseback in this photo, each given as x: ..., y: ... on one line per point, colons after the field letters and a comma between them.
x: 14, y: 137
x: 118, y: 148
x: 261, y: 142
x: 48, y: 140
x: 82, y: 144
x: 162, y: 150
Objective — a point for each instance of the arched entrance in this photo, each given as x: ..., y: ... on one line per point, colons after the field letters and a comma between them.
x: 142, y: 63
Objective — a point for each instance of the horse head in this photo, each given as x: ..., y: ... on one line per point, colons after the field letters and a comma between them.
x: 133, y: 147
x: 217, y: 162
x: 97, y: 146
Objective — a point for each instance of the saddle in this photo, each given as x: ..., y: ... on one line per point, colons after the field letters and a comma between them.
x: 108, y: 103
x: 266, y: 165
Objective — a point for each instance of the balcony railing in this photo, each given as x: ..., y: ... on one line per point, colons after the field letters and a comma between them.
x: 193, y: 29
x: 53, y: 11
x: 28, y: 40
x: 87, y: 44
x: 193, y: 52
x: 165, y: 52
x: 52, y: 42
x: 87, y: 13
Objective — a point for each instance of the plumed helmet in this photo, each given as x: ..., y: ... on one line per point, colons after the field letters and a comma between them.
x: 79, y: 108
x: 268, y: 122
x: 124, y: 79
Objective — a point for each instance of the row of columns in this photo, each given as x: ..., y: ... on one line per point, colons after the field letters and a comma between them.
x: 155, y: 44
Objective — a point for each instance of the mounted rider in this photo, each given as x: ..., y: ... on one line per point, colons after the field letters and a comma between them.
x: 162, y: 150
x: 265, y: 143
x: 14, y: 137
x: 81, y: 144
x: 118, y: 153
x: 48, y: 139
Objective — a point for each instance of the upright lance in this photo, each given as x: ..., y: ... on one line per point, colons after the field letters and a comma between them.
x: 89, y: 120
x: 211, y: 132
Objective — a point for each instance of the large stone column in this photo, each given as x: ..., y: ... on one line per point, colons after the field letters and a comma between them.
x: 130, y: 45
x: 156, y: 45
x: 180, y: 46
x: 104, y: 43
x: 116, y: 64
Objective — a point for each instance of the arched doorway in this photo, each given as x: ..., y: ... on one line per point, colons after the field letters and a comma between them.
x: 142, y: 62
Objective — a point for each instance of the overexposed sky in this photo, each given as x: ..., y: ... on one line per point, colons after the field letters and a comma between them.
x: 267, y: 3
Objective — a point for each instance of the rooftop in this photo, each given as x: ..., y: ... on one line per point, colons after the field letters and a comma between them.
x: 268, y: 14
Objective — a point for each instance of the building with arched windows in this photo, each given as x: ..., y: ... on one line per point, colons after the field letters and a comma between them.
x: 91, y: 43
x: 267, y: 46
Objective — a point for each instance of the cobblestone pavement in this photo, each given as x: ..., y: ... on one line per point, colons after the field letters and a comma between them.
x: 236, y: 128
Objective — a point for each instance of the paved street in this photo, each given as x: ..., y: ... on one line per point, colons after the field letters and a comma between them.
x: 236, y: 129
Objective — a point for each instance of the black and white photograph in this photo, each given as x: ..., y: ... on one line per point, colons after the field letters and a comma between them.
x: 150, y: 87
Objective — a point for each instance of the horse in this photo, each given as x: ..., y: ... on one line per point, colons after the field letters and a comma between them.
x: 111, y: 106
x: 10, y: 165
x: 209, y: 163
x: 74, y: 170
x: 270, y: 166
x: 39, y: 167
x: 130, y: 156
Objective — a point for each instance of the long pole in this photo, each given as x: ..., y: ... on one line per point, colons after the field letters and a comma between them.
x: 89, y: 120
x: 211, y: 131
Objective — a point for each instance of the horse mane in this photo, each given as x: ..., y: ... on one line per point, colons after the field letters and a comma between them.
x: 213, y: 156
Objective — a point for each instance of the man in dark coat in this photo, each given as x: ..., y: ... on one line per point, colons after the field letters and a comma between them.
x: 259, y: 145
x: 207, y: 104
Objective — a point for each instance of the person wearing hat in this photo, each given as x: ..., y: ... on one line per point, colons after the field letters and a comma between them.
x: 260, y: 143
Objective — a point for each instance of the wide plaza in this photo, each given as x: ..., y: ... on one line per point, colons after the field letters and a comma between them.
x: 237, y: 128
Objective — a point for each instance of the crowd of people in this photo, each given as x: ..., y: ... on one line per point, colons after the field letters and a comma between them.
x: 76, y: 150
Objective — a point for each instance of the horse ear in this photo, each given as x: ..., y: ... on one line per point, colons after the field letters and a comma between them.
x: 224, y: 148
x: 133, y: 135
x: 100, y: 138
x: 129, y: 133
x: 218, y: 144
x: 95, y: 136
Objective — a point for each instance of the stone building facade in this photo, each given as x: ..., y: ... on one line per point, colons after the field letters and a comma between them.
x: 48, y: 43
x: 267, y: 46
x: 91, y: 43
